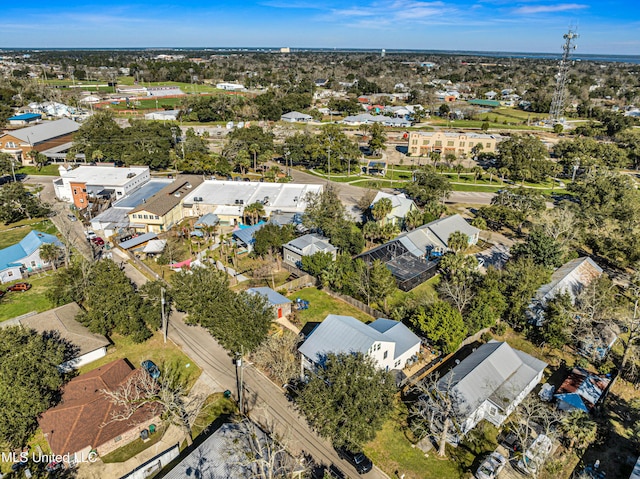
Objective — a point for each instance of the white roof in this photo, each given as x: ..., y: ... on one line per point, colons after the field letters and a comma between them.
x: 294, y: 115
x: 46, y: 131
x: 103, y: 175
x: 286, y: 197
x: 400, y: 203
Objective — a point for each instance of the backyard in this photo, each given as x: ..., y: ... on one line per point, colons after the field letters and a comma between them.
x: 321, y: 305
x: 15, y: 304
x: 13, y: 233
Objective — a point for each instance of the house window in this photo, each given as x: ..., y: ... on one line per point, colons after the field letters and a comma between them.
x: 81, y: 200
x: 156, y: 217
x: 488, y: 145
x: 146, y: 217
x: 493, y: 411
x: 450, y: 143
x: 384, y: 356
x: 119, y: 438
x: 462, y: 143
x: 10, y: 144
x: 75, y: 192
x: 10, y: 273
x: 378, y: 347
x: 397, y: 364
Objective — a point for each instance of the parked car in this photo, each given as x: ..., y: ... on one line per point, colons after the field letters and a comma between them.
x: 90, y: 234
x: 357, y: 459
x: 151, y: 368
x: 491, y: 466
x: 535, y: 455
x: 72, y: 217
x: 19, y: 287
x: 98, y: 241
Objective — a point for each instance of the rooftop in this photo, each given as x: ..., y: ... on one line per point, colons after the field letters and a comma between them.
x: 170, y: 196
x: 142, y: 193
x: 570, y: 278
x: 272, y: 296
x: 45, y: 131
x: 310, y: 244
x: 103, y: 175
x: 11, y: 255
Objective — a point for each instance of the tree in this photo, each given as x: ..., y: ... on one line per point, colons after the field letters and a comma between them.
x: 16, y: 203
x: 316, y: 263
x: 99, y: 132
x: 381, y: 209
x: 521, y: 278
x: 29, y: 380
x: 558, y: 315
x: 38, y: 159
x: 270, y: 238
x: 278, y: 356
x: 458, y: 242
x: 347, y: 399
x: 525, y: 157
x: 428, y: 186
x: 50, y: 253
x: 381, y: 282
x: 414, y: 219
x: 489, y: 303
x: 204, y: 294
x: 254, y: 212
x: 6, y: 163
x: 441, y: 324
x: 377, y: 139
x: 579, y: 429
x: 542, y: 249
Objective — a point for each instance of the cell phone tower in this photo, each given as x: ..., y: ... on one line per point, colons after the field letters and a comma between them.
x: 557, y: 104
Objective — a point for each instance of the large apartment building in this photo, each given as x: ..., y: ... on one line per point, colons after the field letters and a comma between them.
x: 423, y: 143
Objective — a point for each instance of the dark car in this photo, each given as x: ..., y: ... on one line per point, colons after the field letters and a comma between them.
x: 19, y: 287
x: 98, y: 241
x: 151, y: 368
x: 357, y: 459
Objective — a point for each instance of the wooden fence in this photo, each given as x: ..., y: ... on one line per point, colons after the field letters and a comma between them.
x: 357, y: 304
x: 299, y: 283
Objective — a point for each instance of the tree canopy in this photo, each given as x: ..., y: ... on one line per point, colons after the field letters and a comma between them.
x: 428, y: 186
x: 348, y: 399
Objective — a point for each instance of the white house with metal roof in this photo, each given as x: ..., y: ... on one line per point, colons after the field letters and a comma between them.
x: 570, y: 278
x: 306, y: 245
x: 280, y: 304
x: 24, y: 256
x: 400, y: 206
x: 489, y: 384
x: 227, y: 199
x: 389, y: 343
x: 296, y: 117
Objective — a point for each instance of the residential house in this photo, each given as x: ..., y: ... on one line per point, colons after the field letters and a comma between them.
x: 24, y: 257
x: 489, y: 384
x: 139, y: 242
x: 281, y: 305
x: 423, y: 143
x: 389, y: 343
x: 83, y: 419
x: 82, y: 184
x: 230, y: 86
x: 244, y: 236
x: 296, y: 117
x: 581, y: 390
x: 400, y: 206
x: 306, y: 245
x: 570, y: 278
x: 410, y: 255
x: 164, y: 209
x: 50, y: 135
x: 24, y: 119
x: 89, y: 346
x: 227, y: 199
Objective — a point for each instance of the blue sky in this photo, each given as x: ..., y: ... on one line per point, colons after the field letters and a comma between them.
x: 604, y: 26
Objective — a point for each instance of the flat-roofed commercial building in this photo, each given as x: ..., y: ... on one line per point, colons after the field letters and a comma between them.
x: 227, y: 199
x: 78, y: 184
x: 423, y: 143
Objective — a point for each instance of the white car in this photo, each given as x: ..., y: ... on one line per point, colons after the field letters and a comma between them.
x: 536, y: 455
x: 90, y: 234
x: 491, y: 466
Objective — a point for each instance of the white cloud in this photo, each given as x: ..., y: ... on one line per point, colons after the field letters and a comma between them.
x: 561, y: 7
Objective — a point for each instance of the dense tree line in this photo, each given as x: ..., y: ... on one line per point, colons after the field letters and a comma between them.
x: 16, y: 203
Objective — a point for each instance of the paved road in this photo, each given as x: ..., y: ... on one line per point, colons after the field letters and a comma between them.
x: 265, y: 401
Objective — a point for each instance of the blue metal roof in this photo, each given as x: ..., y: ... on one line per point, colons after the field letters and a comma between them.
x: 11, y: 256
x: 138, y: 240
x: 26, y: 116
x: 272, y: 296
x: 246, y: 234
x: 573, y: 400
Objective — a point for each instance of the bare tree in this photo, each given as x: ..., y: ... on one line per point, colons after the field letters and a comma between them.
x: 277, y: 355
x: 165, y: 395
x: 458, y: 293
x: 264, y: 454
x: 436, y: 413
x: 533, y: 415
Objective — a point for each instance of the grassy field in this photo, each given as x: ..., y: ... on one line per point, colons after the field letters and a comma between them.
x: 321, y: 304
x: 47, y: 170
x: 392, y: 451
x: 154, y: 349
x: 19, y: 303
x: 13, y: 233
x: 125, y: 453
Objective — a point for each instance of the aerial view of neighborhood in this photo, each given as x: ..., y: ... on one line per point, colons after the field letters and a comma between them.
x: 318, y: 257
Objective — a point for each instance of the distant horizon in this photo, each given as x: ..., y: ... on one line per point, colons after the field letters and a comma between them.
x: 606, y: 27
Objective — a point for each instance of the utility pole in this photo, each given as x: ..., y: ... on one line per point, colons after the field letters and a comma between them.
x: 240, y: 379
x: 165, y: 324
x: 329, y: 161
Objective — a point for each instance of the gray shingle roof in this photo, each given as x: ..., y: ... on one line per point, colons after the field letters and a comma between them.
x: 495, y: 371
x: 46, y: 131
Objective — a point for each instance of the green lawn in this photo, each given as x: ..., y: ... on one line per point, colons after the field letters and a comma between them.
x: 14, y: 232
x: 321, y: 305
x: 154, y: 348
x: 47, y: 170
x: 215, y: 407
x: 19, y: 303
x: 392, y: 451
x: 136, y: 447
x: 146, y: 104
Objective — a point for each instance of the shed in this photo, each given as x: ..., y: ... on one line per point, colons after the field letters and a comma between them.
x: 281, y: 305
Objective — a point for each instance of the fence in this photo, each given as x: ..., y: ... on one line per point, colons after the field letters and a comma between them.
x: 298, y: 273
x: 357, y: 304
x: 152, y: 466
x: 299, y: 283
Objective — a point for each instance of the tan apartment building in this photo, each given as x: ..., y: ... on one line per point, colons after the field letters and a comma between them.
x: 164, y: 209
x: 423, y: 143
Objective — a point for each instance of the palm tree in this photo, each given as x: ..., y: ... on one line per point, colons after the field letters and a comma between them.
x: 492, y: 171
x: 254, y: 149
x: 477, y: 173
x: 504, y: 172
x: 97, y: 155
x: 254, y: 212
x: 458, y: 242
x: 579, y: 428
x: 381, y: 209
x: 371, y: 231
x: 50, y: 253
x: 414, y: 219
x: 435, y: 157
